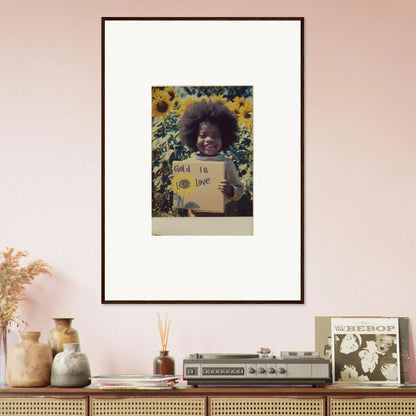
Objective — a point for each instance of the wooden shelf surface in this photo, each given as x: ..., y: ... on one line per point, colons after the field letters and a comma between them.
x: 323, y: 391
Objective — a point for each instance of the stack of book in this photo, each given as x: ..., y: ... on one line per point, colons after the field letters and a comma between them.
x: 127, y: 381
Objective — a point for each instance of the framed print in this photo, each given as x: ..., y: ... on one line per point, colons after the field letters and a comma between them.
x: 202, y: 160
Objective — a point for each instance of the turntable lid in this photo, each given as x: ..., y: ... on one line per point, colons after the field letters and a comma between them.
x: 222, y: 356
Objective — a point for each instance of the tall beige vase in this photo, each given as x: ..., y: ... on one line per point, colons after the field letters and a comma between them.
x: 29, y: 363
x: 61, y: 334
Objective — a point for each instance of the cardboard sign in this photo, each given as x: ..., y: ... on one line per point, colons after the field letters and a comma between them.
x: 195, y: 185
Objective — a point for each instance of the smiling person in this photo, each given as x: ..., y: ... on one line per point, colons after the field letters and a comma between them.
x: 208, y: 128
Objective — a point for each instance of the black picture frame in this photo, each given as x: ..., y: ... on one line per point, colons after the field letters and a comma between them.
x: 127, y: 245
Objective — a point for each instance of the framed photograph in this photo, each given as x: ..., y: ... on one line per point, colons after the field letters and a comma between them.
x: 202, y: 160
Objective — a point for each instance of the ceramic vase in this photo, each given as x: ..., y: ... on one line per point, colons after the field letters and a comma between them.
x: 61, y: 334
x: 164, y: 364
x: 70, y: 368
x: 29, y: 363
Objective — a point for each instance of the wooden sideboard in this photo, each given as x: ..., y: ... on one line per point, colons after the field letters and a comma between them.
x: 288, y: 401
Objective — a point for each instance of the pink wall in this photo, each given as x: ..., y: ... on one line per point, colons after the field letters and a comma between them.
x: 360, y: 176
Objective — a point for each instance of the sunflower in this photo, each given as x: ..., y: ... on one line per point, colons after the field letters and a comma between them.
x: 183, y: 184
x: 176, y: 103
x: 245, y: 114
x: 172, y: 93
x: 184, y: 104
x: 161, y: 105
x: 239, y: 101
x: 234, y: 107
x: 217, y: 97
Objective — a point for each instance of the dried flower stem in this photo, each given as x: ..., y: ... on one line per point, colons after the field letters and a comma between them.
x: 164, y: 329
x: 13, y: 279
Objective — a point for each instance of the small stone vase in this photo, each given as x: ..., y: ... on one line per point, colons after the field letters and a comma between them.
x: 29, y: 362
x: 70, y: 368
x: 164, y: 364
x: 61, y: 334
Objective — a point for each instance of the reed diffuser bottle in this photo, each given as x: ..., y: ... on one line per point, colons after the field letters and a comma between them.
x: 164, y: 364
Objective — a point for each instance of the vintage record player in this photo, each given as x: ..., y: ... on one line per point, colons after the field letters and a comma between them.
x: 262, y: 369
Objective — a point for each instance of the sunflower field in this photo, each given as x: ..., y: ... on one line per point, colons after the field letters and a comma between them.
x: 168, y: 104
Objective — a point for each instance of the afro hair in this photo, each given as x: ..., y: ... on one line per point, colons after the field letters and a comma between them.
x: 215, y: 112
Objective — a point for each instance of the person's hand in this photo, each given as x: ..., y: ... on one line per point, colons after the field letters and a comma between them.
x: 226, y: 188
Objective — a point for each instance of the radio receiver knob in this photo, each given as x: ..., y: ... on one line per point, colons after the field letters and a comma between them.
x: 281, y: 370
x: 261, y: 370
x: 272, y: 370
x: 251, y: 370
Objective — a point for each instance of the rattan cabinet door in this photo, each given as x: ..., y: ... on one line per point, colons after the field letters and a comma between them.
x: 267, y: 406
x: 375, y: 406
x: 36, y: 406
x: 147, y: 406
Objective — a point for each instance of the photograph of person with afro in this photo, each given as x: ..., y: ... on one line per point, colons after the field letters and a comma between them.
x: 212, y: 124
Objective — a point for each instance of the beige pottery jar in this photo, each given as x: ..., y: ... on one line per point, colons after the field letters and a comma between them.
x: 29, y: 363
x: 62, y: 334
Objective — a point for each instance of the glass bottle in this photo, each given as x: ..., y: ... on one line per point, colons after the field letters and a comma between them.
x: 164, y: 364
x: 3, y: 354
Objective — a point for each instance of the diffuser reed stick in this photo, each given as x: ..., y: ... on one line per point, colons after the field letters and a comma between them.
x: 164, y: 328
x: 164, y: 363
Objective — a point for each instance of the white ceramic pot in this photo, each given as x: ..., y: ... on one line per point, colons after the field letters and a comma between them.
x: 70, y: 368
